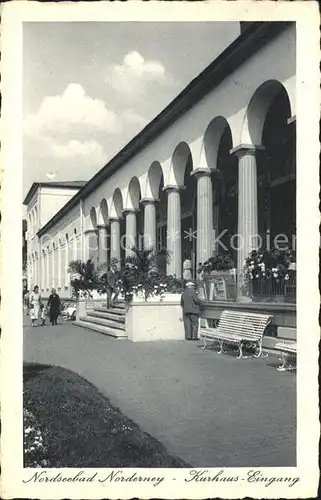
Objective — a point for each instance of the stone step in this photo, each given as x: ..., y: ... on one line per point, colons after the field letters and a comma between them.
x: 105, y: 314
x: 118, y: 305
x: 118, y: 334
x: 105, y: 322
x: 114, y: 311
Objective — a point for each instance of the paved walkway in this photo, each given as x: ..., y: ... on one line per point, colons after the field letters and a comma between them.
x: 211, y: 410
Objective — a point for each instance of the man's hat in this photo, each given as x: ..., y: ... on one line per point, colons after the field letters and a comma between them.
x: 190, y: 283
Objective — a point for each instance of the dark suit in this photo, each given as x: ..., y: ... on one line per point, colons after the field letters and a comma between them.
x: 191, y: 309
x: 111, y: 279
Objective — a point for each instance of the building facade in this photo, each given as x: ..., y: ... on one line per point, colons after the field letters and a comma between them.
x: 215, y: 170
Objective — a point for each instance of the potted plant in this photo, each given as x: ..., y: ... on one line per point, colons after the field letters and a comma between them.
x: 267, y: 274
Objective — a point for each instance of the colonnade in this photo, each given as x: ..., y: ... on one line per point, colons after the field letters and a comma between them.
x: 96, y: 240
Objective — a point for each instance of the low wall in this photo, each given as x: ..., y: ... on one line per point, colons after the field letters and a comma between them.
x: 155, y: 320
x: 85, y: 305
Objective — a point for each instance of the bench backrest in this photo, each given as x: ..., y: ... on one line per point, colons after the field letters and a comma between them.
x: 251, y: 325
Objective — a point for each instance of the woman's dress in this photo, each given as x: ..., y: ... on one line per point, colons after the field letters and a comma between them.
x: 34, y: 300
x: 54, y: 307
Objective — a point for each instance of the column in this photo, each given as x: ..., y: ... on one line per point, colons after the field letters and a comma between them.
x: 149, y: 223
x: 247, y: 206
x: 91, y: 245
x: 131, y: 231
x: 102, y: 246
x: 204, y: 242
x: 174, y: 239
x: 115, y: 239
x: 53, y: 270
x: 48, y: 269
x: 59, y: 264
x: 43, y: 271
x: 66, y: 274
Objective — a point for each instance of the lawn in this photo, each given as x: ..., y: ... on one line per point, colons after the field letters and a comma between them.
x: 68, y: 423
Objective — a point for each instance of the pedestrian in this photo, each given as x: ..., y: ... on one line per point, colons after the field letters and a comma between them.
x: 187, y: 268
x: 112, y: 285
x: 190, y: 304
x: 54, y: 305
x: 43, y: 314
x: 34, y: 305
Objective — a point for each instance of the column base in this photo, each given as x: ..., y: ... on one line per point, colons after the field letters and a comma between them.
x: 243, y: 299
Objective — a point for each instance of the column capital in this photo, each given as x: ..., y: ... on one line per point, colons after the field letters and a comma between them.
x: 130, y: 211
x: 247, y: 149
x: 201, y: 171
x: 172, y: 187
x: 115, y: 219
x: 90, y: 231
x: 102, y: 226
x: 149, y: 201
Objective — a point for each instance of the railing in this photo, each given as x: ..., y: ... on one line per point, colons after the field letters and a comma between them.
x: 224, y: 286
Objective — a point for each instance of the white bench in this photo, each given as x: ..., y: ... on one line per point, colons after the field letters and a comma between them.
x: 234, y: 327
x: 288, y: 349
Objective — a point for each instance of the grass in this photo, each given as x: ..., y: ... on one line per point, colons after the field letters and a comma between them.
x: 81, y: 428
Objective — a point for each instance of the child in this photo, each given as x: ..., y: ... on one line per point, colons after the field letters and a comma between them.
x: 43, y: 314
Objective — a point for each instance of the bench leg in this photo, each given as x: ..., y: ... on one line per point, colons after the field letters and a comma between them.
x: 240, y: 346
x: 286, y: 366
x: 260, y: 353
x: 282, y: 368
x: 204, y: 343
x: 221, y: 346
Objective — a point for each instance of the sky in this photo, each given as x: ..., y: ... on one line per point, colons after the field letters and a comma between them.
x: 90, y: 87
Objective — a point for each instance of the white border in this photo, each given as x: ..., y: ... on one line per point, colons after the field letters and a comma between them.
x: 308, y: 105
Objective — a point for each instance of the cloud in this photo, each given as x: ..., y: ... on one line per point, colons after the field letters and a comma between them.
x: 73, y: 132
x: 73, y: 108
x: 135, y: 73
x: 131, y: 117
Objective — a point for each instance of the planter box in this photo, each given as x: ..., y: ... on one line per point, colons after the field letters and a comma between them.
x: 155, y: 320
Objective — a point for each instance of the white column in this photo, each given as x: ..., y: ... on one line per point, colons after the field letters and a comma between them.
x: 91, y: 245
x: 53, y: 270
x: 47, y: 268
x: 102, y: 245
x: 204, y: 244
x: 131, y: 231
x: 115, y: 239
x: 66, y: 273
x: 74, y: 248
x: 174, y: 240
x: 149, y: 223
x: 247, y: 206
x: 43, y: 270
x: 59, y: 280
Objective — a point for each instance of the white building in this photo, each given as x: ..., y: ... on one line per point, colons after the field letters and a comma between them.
x: 221, y: 156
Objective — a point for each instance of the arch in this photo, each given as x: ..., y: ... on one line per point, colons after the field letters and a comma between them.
x: 182, y: 157
x: 155, y: 174
x: 117, y: 204
x: 93, y: 218
x: 134, y: 194
x: 258, y: 108
x: 103, y: 218
x: 212, y: 139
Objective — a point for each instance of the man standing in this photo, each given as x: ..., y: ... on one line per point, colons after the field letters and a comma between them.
x: 190, y: 309
x: 112, y: 288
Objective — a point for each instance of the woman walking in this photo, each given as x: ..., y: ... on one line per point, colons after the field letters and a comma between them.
x: 34, y: 304
x: 54, y: 305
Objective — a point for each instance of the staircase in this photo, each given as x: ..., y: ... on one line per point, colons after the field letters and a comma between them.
x: 106, y: 321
